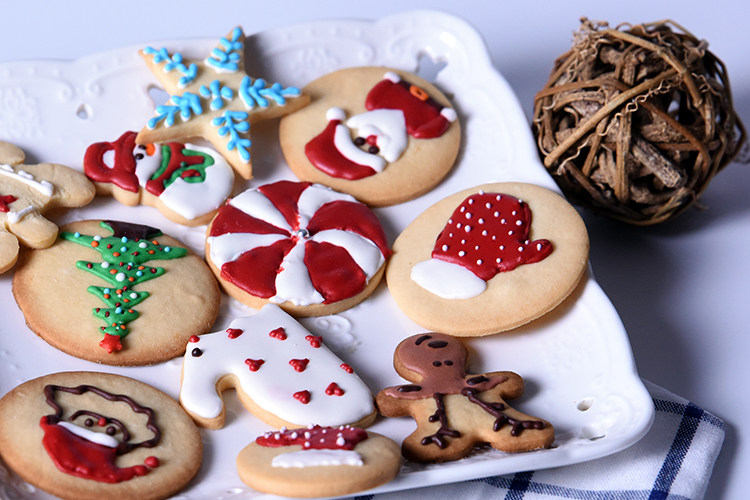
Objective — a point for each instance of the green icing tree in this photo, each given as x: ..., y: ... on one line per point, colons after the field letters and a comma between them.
x: 124, y: 256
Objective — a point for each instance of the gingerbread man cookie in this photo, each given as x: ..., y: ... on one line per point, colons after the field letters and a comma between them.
x: 382, y: 135
x: 318, y: 461
x: 456, y: 411
x: 282, y: 373
x: 488, y: 259
x: 215, y: 99
x: 87, y: 435
x: 27, y: 191
x: 187, y: 183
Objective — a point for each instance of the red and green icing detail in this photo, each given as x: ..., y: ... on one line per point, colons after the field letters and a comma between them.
x: 124, y: 255
x: 77, y: 456
x: 315, y: 437
x: 5, y: 201
x: 332, y: 271
x: 488, y: 233
x: 177, y: 161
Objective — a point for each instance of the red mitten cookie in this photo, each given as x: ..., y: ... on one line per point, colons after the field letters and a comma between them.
x: 456, y: 411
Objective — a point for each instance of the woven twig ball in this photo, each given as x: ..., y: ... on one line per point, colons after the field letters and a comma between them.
x: 635, y: 121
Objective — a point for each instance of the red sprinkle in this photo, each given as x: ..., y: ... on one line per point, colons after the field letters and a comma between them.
x: 299, y: 364
x: 334, y: 390
x: 152, y: 462
x: 302, y: 396
x: 314, y: 340
x: 194, y: 338
x: 110, y: 343
x: 254, y: 364
x: 347, y: 368
x: 278, y: 334
x: 101, y: 422
x: 233, y: 333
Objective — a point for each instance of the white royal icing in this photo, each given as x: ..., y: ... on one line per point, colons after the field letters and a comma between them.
x: 447, y: 280
x: 44, y: 187
x: 342, y: 139
x: 16, y: 215
x: 316, y: 458
x: 271, y: 387
x: 388, y: 125
x: 89, y: 435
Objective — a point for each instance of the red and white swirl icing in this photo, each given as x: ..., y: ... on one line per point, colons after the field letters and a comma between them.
x: 263, y: 363
x: 298, y: 242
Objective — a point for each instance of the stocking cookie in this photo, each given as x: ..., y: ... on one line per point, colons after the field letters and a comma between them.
x: 85, y: 435
x: 215, y: 99
x: 26, y: 192
x: 282, y: 373
x: 187, y: 183
x: 382, y: 135
x: 488, y: 259
x: 456, y: 411
x: 303, y: 246
x: 116, y: 293
x: 318, y: 461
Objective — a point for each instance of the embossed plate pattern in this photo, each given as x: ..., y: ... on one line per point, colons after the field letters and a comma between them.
x: 576, y: 360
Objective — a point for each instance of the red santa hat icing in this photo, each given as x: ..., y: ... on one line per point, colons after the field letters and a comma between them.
x: 113, y: 162
x: 488, y: 233
x: 425, y: 117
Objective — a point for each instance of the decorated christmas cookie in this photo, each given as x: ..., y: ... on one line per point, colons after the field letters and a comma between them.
x: 27, y: 191
x: 187, y: 183
x: 455, y: 411
x: 303, y: 246
x: 86, y: 435
x: 488, y: 259
x: 318, y: 461
x: 382, y: 135
x: 215, y: 99
x: 282, y: 373
x: 116, y: 293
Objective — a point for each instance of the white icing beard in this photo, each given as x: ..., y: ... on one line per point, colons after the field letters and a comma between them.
x: 89, y: 435
x: 272, y: 386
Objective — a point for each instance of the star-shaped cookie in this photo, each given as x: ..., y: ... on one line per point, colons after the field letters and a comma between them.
x: 215, y: 99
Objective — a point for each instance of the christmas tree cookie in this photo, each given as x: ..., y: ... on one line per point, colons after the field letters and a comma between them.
x: 488, y: 259
x: 215, y: 99
x: 187, y: 183
x: 116, y: 293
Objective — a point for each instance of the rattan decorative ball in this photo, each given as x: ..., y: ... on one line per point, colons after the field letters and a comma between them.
x: 635, y: 121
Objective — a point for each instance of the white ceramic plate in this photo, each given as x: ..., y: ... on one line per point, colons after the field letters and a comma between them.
x: 576, y: 361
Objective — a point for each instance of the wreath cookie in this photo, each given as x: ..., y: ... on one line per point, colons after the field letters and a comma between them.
x: 488, y: 259
x: 382, y: 135
x: 87, y: 436
x: 116, y: 293
x: 26, y: 192
x: 309, y: 249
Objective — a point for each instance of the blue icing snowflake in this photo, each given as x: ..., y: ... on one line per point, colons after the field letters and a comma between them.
x: 218, y: 94
x: 174, y: 62
x: 257, y: 93
x: 186, y: 105
x: 233, y: 123
x: 227, y: 57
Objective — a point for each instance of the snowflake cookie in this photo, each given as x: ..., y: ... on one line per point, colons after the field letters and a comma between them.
x: 26, y: 191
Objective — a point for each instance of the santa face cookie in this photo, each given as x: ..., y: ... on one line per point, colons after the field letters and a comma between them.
x: 85, y: 435
x: 215, y: 99
x: 27, y: 191
x: 455, y: 411
x: 282, y: 373
x: 488, y: 259
x: 381, y: 135
x: 187, y: 183
x: 116, y: 293
x: 318, y: 461
x: 303, y: 246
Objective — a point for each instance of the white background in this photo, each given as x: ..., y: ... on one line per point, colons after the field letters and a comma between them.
x: 681, y: 287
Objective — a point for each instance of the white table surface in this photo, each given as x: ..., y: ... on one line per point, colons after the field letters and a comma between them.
x: 681, y: 288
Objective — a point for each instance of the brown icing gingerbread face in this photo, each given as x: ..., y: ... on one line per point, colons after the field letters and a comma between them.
x: 455, y: 410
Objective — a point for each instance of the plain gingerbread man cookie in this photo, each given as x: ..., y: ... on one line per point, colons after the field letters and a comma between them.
x: 27, y: 191
x: 456, y: 411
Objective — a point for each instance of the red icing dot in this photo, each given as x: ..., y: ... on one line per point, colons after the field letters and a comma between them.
x: 347, y: 368
x: 302, y: 396
x: 194, y: 338
x: 140, y: 470
x: 334, y: 390
x: 299, y: 364
x: 254, y: 364
x: 278, y: 334
x: 101, y: 422
x: 152, y: 462
x: 314, y: 340
x: 233, y: 333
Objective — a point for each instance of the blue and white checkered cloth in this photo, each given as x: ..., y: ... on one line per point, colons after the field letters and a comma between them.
x: 672, y: 462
